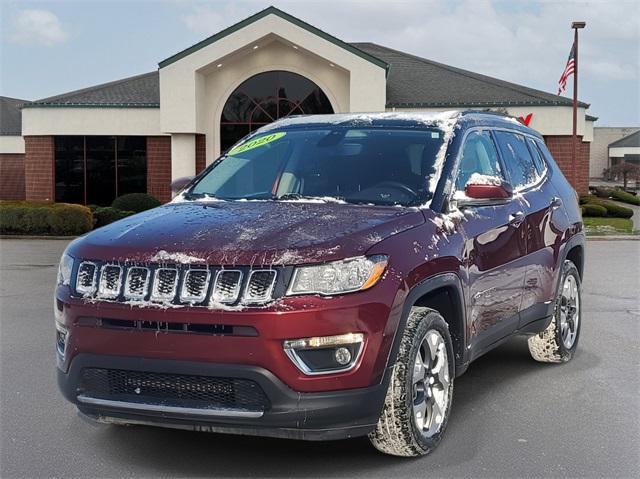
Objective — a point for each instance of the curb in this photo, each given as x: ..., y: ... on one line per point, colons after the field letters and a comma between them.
x: 614, y: 238
x: 27, y: 237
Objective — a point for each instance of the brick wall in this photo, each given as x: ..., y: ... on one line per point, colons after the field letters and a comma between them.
x: 11, y: 176
x: 159, y: 167
x: 561, y: 149
x: 201, y: 151
x: 38, y: 167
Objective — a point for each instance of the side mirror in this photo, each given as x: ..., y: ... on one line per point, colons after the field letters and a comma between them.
x: 485, y: 194
x: 180, y: 184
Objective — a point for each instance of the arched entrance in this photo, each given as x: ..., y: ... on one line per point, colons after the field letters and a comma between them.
x: 266, y: 97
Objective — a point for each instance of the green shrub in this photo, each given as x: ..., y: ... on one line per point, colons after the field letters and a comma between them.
x: 625, y: 197
x: 135, y: 202
x: 584, y: 199
x: 602, y: 192
x: 44, y: 218
x: 613, y: 210
x: 108, y: 214
x: 593, y: 210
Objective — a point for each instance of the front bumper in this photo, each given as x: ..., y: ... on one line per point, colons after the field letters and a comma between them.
x: 287, y: 414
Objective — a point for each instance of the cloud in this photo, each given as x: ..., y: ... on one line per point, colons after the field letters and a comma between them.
x: 37, y: 27
x: 524, y: 42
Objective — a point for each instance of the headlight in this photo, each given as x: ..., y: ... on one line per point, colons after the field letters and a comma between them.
x: 338, y: 277
x: 64, y: 269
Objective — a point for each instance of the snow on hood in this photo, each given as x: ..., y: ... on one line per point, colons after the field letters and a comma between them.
x: 246, y: 233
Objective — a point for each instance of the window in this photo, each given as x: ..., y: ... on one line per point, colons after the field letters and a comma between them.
x: 385, y: 166
x: 479, y: 156
x: 541, y: 166
x: 265, y: 98
x: 96, y: 169
x: 69, y: 170
x: 517, y: 159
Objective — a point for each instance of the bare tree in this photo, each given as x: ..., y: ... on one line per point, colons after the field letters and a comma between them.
x: 628, y: 171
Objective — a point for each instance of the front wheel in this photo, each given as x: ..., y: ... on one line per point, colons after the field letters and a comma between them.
x: 558, y: 343
x: 418, y: 400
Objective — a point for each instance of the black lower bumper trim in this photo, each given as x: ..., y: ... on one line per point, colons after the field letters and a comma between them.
x: 308, y: 416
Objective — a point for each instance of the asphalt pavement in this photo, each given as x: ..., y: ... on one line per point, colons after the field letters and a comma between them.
x: 511, y: 416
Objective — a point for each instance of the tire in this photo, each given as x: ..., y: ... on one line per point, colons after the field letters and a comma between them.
x: 398, y: 432
x: 558, y: 343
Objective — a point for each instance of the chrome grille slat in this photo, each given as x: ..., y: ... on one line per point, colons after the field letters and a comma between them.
x: 137, y: 282
x: 86, y: 280
x: 226, y: 288
x: 165, y: 284
x: 110, y: 281
x: 195, y: 285
x: 259, y: 286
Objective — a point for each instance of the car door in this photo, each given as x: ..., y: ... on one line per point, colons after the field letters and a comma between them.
x: 495, y: 248
x: 544, y: 221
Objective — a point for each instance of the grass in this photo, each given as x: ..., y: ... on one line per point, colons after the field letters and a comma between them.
x: 608, y: 226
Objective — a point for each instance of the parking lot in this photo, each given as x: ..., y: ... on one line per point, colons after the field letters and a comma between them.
x: 511, y: 417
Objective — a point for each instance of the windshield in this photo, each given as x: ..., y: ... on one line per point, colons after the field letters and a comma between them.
x: 382, y: 166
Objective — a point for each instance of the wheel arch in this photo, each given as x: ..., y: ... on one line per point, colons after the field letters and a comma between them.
x: 575, y: 253
x: 443, y: 293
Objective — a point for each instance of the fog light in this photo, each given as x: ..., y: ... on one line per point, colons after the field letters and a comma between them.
x: 61, y: 340
x: 325, y: 354
x: 343, y: 356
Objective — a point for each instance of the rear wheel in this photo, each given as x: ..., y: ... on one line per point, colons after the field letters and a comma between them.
x: 418, y: 400
x: 559, y: 341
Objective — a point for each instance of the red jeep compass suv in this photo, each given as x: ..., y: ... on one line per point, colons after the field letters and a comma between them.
x: 328, y: 277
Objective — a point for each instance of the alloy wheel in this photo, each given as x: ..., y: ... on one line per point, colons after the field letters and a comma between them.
x: 431, y: 384
x: 569, y: 311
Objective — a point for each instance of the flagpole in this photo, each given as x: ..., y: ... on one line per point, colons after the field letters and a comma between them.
x: 574, y: 151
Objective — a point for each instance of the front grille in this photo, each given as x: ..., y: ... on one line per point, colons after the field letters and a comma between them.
x: 227, y: 287
x: 180, y: 284
x: 173, y: 389
x: 259, y: 286
x: 86, y: 280
x: 137, y: 283
x: 195, y: 285
x: 110, y: 279
x: 165, y: 284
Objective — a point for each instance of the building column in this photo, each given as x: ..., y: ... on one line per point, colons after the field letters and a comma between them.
x: 183, y: 155
x: 39, y: 169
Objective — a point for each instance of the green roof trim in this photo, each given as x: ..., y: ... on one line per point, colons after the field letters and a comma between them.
x: 91, y: 105
x: 285, y: 16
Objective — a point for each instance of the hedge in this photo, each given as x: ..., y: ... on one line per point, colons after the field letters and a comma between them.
x: 593, y: 210
x: 108, y: 214
x: 613, y: 210
x: 625, y: 197
x: 136, y: 202
x: 43, y: 218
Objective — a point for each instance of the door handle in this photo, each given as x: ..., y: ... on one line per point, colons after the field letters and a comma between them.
x: 516, y: 219
x: 556, y: 202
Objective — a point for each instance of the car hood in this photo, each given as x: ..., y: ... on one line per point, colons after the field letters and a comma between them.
x: 246, y: 233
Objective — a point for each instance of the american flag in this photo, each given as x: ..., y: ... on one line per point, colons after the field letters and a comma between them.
x: 568, y: 70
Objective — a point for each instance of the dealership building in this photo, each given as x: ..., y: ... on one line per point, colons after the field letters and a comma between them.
x: 137, y: 134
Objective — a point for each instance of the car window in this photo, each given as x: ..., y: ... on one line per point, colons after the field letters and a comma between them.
x: 537, y: 156
x: 517, y: 159
x: 479, y: 156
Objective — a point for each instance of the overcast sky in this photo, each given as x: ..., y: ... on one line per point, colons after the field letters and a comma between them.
x: 51, y: 47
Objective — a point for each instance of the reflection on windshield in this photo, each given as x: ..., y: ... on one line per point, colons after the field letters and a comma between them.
x: 382, y: 166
